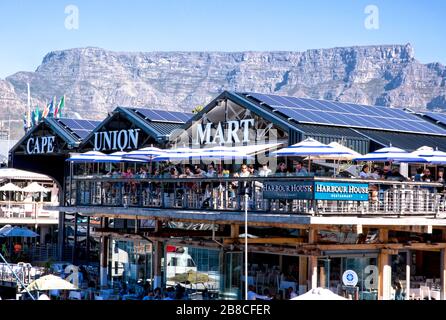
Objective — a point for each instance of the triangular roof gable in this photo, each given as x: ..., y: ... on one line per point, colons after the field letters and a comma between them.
x: 47, y: 124
x: 116, y: 115
x: 243, y: 102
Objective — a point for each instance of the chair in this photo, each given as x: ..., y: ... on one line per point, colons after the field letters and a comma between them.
x: 425, y: 292
x: 75, y: 295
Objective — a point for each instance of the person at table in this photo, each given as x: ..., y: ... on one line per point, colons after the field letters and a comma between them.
x: 142, y: 173
x: 211, y: 172
x: 244, y: 187
x: 200, y: 173
x: 252, y: 295
x: 282, y: 170
x: 418, y: 175
x: 149, y: 296
x: 264, y: 171
x: 252, y: 171
x: 440, y: 178
x: 300, y: 169
x: 386, y: 172
x: 365, y: 172
x: 395, y: 175
x: 426, y: 177
x: 291, y: 293
x: 376, y: 173
x: 187, y: 173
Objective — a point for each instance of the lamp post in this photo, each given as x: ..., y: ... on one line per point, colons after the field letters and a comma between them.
x: 246, y: 246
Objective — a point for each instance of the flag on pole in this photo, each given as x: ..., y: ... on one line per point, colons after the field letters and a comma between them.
x: 60, y: 106
x: 45, y: 110
x: 36, y: 115
x: 25, y: 123
x: 51, y: 108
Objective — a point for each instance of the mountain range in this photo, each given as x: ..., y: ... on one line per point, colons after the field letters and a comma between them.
x: 95, y: 80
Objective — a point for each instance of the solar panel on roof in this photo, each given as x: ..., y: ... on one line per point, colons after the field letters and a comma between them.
x: 164, y: 116
x: 79, y: 127
x: 346, y: 114
x: 436, y: 116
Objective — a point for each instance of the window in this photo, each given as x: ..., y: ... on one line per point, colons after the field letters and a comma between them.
x: 190, y: 263
x: 173, y: 262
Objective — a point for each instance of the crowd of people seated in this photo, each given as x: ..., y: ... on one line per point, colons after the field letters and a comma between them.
x: 386, y: 173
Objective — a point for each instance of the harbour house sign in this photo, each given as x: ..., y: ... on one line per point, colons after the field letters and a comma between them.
x: 116, y: 140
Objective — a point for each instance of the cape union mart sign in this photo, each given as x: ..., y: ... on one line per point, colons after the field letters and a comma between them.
x: 116, y: 140
x: 229, y: 132
x: 316, y: 190
x: 36, y: 145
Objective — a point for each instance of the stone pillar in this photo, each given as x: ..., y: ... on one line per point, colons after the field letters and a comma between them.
x: 60, y: 236
x: 312, y: 260
x: 44, y: 230
x: 443, y: 274
x: 303, y: 274
x: 157, y: 257
x: 235, y: 231
x: 103, y: 270
x: 408, y: 263
x: 384, y: 269
x: 443, y: 268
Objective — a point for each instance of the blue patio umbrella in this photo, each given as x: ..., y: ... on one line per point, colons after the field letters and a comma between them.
x: 146, y: 154
x: 9, y: 231
x: 89, y: 156
x: 220, y: 153
x: 179, y: 154
x: 307, y: 148
x: 391, y: 154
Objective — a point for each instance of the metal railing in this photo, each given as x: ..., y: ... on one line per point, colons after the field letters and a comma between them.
x: 26, y: 210
x: 24, y: 271
x: 385, y: 197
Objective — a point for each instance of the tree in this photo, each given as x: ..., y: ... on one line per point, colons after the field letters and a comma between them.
x: 197, y: 109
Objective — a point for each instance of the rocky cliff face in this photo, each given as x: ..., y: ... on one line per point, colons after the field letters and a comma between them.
x: 95, y: 81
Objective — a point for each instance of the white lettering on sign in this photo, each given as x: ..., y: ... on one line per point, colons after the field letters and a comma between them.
x: 40, y: 145
x: 223, y: 133
x: 116, y: 140
x: 342, y: 189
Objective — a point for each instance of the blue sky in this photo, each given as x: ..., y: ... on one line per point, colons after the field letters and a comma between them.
x: 29, y: 29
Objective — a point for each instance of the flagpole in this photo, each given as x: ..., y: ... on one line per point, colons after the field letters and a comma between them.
x: 28, y: 114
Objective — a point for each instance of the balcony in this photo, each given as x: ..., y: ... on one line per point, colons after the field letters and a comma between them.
x: 19, y: 212
x: 278, y: 195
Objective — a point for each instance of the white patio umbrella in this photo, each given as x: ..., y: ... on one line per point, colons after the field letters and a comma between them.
x: 391, y: 154
x: 178, y: 154
x: 308, y: 147
x: 430, y: 155
x: 146, y: 154
x: 50, y: 282
x: 10, y: 187
x: 35, y: 187
x: 319, y: 294
x: 221, y: 153
x: 348, y: 155
x: 89, y: 156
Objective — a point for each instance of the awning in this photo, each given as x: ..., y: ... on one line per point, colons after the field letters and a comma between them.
x: 258, y: 148
x: 406, y: 141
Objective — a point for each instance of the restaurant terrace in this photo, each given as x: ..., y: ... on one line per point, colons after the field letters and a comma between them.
x: 307, y: 223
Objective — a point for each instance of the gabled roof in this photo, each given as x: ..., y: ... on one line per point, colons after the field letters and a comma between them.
x: 246, y: 103
x: 60, y: 128
x: 157, y: 127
